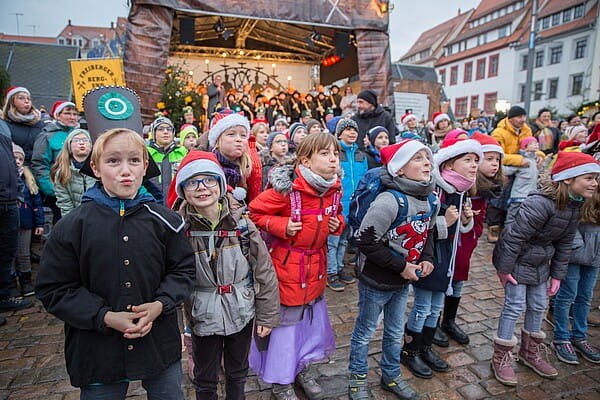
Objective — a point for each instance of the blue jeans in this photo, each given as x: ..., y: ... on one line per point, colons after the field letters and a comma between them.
x: 370, y: 304
x: 9, y: 238
x: 426, y: 309
x: 166, y: 386
x: 519, y: 298
x: 457, y: 287
x: 576, y: 289
x: 336, y: 249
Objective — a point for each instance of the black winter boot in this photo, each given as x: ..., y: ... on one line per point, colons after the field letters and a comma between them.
x: 448, y: 322
x: 411, y: 357
x: 428, y: 355
x: 440, y: 338
x: 27, y: 288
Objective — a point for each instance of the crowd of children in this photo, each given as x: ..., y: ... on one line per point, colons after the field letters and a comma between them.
x: 259, y: 226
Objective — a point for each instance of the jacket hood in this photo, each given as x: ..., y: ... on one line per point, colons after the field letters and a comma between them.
x: 281, y: 177
x: 439, y: 181
x: 546, y: 187
x: 98, y: 195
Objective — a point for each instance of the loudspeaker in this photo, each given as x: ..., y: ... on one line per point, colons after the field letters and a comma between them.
x: 187, y: 32
x: 341, y: 43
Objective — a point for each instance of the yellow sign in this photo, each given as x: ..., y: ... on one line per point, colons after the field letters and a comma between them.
x: 89, y: 74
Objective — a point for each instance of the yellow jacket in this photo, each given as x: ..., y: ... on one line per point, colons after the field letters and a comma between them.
x: 508, y: 138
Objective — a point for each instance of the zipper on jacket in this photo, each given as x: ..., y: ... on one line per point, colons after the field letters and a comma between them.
x: 312, y: 245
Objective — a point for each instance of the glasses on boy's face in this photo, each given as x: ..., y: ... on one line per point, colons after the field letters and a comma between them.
x: 194, y: 184
x: 82, y: 140
x: 164, y: 129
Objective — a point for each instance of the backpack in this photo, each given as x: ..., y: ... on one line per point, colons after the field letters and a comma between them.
x: 369, y: 188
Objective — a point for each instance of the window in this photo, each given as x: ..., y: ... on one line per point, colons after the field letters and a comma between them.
x: 454, y: 75
x: 555, y: 54
x: 538, y: 87
x: 576, y: 84
x: 480, y: 69
x: 61, y: 41
x: 482, y: 39
x: 489, y: 102
x: 521, y: 93
x: 474, y: 102
x: 442, y: 76
x: 503, y: 31
x: 493, y: 68
x: 68, y: 41
x: 468, y: 72
x: 545, y: 22
x: 523, y: 62
x: 552, y: 88
x: 461, y: 105
x: 578, y: 11
x: 539, y: 59
x: 580, y: 47
x: 555, y: 19
x: 567, y: 15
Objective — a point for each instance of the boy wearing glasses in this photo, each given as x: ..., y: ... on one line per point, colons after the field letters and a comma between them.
x: 165, y: 152
x: 114, y: 270
x: 236, y: 286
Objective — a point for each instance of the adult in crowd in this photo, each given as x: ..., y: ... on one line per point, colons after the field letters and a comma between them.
x: 547, y: 135
x: 442, y: 124
x: 22, y: 119
x: 216, y: 94
x: 370, y: 114
x: 348, y: 103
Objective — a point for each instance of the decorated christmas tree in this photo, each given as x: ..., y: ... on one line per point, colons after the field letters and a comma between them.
x: 178, y: 91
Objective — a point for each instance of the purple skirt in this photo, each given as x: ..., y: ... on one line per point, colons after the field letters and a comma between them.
x: 293, y: 347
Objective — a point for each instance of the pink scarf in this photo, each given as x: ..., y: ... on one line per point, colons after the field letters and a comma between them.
x: 461, y: 183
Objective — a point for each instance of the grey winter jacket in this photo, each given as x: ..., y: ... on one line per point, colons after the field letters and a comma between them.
x: 538, y: 244
x: 68, y: 197
x: 224, y: 300
x: 525, y: 177
x: 586, y: 246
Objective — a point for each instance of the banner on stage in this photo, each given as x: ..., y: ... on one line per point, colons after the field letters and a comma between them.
x: 89, y: 74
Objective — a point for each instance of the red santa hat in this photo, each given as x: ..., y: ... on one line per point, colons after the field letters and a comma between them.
x: 194, y: 163
x: 439, y: 116
x: 488, y: 143
x: 395, y: 156
x: 407, y: 117
x: 59, y: 106
x: 222, y: 124
x: 14, y: 90
x: 452, y: 148
x: 571, y: 164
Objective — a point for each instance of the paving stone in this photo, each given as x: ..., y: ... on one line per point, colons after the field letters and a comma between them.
x: 473, y: 392
x: 531, y: 393
x: 457, y: 377
x: 445, y: 395
x: 459, y: 359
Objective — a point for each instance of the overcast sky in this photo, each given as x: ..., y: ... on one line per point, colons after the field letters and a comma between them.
x: 47, y: 18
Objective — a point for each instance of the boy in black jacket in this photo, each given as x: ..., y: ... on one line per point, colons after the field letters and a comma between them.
x: 114, y: 269
x: 390, y: 257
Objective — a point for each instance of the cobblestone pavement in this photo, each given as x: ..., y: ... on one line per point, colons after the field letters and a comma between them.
x: 32, y: 363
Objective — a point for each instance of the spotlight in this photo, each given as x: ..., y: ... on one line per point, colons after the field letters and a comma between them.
x: 219, y: 26
x: 316, y: 36
x: 227, y: 34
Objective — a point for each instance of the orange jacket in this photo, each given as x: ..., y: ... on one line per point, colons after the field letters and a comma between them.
x: 300, y: 260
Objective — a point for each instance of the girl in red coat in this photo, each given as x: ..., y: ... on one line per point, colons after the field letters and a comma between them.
x: 298, y: 213
x: 488, y: 185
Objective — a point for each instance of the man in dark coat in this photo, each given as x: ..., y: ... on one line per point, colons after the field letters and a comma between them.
x: 370, y: 114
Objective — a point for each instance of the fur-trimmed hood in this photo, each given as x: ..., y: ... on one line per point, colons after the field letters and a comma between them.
x: 546, y: 187
x: 282, y: 176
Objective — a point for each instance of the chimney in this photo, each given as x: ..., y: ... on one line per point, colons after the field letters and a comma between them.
x: 112, y: 25
x: 459, y: 11
x: 69, y: 24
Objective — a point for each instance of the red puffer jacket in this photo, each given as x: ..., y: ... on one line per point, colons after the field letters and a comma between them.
x: 255, y: 178
x: 300, y: 260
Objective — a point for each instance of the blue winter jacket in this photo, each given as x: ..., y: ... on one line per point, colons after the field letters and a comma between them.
x: 354, y: 163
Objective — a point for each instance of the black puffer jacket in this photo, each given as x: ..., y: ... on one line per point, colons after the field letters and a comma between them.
x: 538, y: 244
x: 370, y: 119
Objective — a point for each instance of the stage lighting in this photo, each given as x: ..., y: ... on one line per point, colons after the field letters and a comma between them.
x: 227, y: 34
x: 219, y: 26
x: 316, y: 36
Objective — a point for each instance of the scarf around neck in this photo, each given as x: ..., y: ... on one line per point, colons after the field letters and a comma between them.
x: 231, y: 169
x: 31, y: 118
x: 319, y: 183
x: 461, y: 183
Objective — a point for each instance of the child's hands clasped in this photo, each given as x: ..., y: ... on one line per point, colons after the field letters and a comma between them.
x: 293, y: 227
x: 426, y: 268
x: 333, y: 224
x: 134, y: 324
x: 410, y: 271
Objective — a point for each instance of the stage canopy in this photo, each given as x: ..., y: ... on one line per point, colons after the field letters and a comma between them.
x: 285, y: 31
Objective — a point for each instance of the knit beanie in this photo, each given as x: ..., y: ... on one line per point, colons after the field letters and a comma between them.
x: 18, y: 149
x: 516, y: 111
x: 294, y: 127
x: 573, y: 131
x: 272, y: 137
x: 395, y: 156
x: 311, y: 123
x: 369, y: 96
x: 488, y: 143
x: 526, y: 140
x: 344, y: 124
x: 375, y: 131
x: 74, y: 133
x: 198, y: 162
x: 223, y: 124
x: 452, y: 148
x: 282, y: 120
x: 59, y: 106
x: 157, y: 122
x: 14, y: 90
x: 571, y: 164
